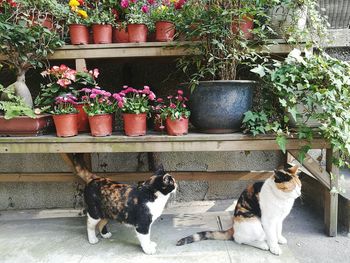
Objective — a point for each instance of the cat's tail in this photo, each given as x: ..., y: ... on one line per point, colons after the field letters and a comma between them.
x: 78, y: 163
x: 205, y: 235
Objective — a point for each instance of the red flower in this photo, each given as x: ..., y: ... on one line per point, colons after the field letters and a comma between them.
x: 180, y: 92
x: 145, y: 9
x: 172, y: 105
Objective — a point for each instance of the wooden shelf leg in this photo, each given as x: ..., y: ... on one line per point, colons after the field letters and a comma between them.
x: 80, y: 64
x: 331, y: 196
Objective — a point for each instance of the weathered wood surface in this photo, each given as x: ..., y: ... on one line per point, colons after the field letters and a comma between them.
x: 140, y: 176
x: 331, y: 197
x: 150, y: 143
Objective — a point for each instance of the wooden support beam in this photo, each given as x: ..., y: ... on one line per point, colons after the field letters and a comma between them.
x: 331, y: 195
x: 125, y: 177
x: 80, y: 64
x: 314, y: 168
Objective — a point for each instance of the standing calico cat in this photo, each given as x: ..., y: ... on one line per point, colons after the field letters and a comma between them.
x: 137, y: 205
x: 259, y: 213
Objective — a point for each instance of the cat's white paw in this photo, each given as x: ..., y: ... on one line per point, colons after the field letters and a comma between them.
x: 282, y: 240
x: 264, y: 246
x: 93, y: 240
x: 275, y: 249
x: 107, y: 235
x: 150, y: 249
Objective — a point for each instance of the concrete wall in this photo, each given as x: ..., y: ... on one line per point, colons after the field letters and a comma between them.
x: 69, y: 195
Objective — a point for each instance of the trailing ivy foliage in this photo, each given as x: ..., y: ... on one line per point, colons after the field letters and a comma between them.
x: 14, y: 106
x: 302, y: 89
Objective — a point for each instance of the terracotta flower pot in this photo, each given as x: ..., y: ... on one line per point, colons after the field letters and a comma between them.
x: 137, y: 33
x: 245, y: 25
x: 25, y: 126
x: 177, y: 127
x: 165, y: 31
x: 135, y: 124
x: 83, y: 120
x: 66, y: 124
x: 102, y: 34
x: 120, y: 35
x: 79, y: 34
x: 101, y: 125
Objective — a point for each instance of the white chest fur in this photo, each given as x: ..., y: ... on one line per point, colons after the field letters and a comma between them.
x: 274, y: 204
x: 156, y: 208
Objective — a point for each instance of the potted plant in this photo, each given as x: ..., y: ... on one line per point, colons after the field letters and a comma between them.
x: 176, y: 114
x: 165, y: 14
x: 99, y: 106
x: 24, y: 47
x: 62, y: 80
x: 65, y: 116
x: 298, y: 21
x: 135, y: 107
x: 18, y: 119
x: 137, y: 15
x: 77, y: 22
x: 218, y: 99
x: 314, y: 87
x: 101, y: 19
x: 120, y: 33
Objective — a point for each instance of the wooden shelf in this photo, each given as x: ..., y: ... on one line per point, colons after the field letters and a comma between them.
x: 118, y: 142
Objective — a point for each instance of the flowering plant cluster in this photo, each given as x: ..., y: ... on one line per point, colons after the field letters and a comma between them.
x: 64, y: 80
x: 174, y: 107
x: 78, y: 12
x: 65, y: 104
x: 138, y: 11
x: 98, y: 101
x: 101, y: 13
x: 167, y: 10
x: 135, y: 101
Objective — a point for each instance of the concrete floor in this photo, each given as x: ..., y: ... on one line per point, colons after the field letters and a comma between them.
x: 64, y: 239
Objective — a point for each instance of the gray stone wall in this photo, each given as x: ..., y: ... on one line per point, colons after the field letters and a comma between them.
x: 69, y: 195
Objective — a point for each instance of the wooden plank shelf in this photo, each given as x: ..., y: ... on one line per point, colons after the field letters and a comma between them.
x: 153, y: 142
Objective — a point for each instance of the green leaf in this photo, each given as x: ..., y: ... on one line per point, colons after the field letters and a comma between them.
x: 282, y: 142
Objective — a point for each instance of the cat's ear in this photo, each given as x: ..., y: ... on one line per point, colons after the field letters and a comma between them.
x: 160, y: 170
x: 293, y: 170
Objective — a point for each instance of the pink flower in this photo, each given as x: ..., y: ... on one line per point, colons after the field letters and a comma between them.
x: 117, y: 97
x: 63, y: 82
x: 162, y: 127
x: 63, y: 67
x: 179, y: 98
x: 146, y: 90
x: 145, y: 9
x: 172, y: 105
x: 160, y: 100
x: 86, y: 90
x: 120, y: 104
x: 124, y: 3
x: 152, y: 96
x: 108, y: 94
x: 151, y: 2
x: 97, y: 91
x: 170, y: 97
x: 94, y: 73
x: 92, y: 96
x: 184, y: 105
x: 180, y: 92
x: 125, y: 86
x: 55, y: 68
x: 84, y: 97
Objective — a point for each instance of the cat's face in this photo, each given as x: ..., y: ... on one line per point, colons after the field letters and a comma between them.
x: 288, y: 182
x: 163, y: 181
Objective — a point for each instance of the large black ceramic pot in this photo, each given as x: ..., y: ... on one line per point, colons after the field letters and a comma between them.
x: 218, y: 106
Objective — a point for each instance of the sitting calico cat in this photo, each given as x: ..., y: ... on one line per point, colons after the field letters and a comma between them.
x: 137, y: 205
x: 259, y: 213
